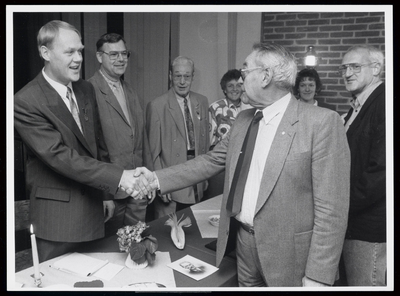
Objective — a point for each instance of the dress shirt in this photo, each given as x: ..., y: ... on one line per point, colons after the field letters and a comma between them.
x: 62, y: 89
x: 182, y: 106
x: 359, y: 101
x: 266, y: 133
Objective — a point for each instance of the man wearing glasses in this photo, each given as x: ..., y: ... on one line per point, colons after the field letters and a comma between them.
x: 364, y: 250
x: 178, y: 130
x: 122, y: 122
x: 287, y: 177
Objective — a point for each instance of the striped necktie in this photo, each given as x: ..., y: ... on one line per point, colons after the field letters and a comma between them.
x: 189, y: 125
x: 74, y: 108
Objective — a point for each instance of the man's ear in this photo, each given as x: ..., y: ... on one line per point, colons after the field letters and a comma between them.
x: 377, y: 69
x: 266, y: 77
x: 98, y: 56
x: 44, y: 52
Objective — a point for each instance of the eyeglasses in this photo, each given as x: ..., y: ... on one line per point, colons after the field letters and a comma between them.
x: 178, y: 77
x: 353, y: 67
x: 243, y: 71
x: 113, y: 55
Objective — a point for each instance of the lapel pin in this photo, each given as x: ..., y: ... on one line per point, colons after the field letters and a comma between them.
x: 283, y: 133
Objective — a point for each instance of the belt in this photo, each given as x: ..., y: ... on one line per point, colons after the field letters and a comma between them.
x: 191, y: 152
x: 248, y: 228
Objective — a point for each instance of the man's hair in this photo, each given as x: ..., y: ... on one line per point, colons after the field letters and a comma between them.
x: 180, y: 59
x: 233, y: 74
x: 281, y: 62
x: 50, y: 31
x: 311, y: 74
x: 375, y: 54
x: 108, y: 38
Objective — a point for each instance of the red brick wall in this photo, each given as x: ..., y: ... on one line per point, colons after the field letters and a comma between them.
x: 331, y: 34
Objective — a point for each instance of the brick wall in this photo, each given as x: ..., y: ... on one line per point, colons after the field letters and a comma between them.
x: 331, y: 34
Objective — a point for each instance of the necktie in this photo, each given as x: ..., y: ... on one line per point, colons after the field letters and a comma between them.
x: 119, y: 94
x: 189, y: 125
x: 354, y: 104
x: 347, y: 117
x: 235, y: 196
x: 74, y: 108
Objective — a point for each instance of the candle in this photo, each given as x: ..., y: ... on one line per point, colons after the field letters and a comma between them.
x: 35, y: 255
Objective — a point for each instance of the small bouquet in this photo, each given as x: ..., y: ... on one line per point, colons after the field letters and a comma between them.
x: 139, y: 245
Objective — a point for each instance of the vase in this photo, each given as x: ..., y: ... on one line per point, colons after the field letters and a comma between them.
x: 133, y: 265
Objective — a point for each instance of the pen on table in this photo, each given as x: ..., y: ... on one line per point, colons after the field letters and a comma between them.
x: 99, y: 267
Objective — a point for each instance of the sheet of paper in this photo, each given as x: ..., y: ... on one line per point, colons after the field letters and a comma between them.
x: 158, y: 273
x: 108, y: 271
x: 193, y: 267
x: 213, y: 203
x: 79, y: 264
x: 207, y: 230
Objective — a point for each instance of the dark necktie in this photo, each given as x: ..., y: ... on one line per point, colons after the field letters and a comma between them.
x: 235, y: 197
x: 348, y: 115
x: 74, y: 108
x: 189, y: 125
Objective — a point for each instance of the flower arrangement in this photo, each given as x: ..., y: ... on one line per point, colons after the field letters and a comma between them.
x: 140, y: 245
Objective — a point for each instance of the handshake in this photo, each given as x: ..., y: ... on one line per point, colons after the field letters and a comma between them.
x: 139, y: 183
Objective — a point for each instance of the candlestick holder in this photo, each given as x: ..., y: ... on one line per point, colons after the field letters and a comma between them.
x: 38, y: 281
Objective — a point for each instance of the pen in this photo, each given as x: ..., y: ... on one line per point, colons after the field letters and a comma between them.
x: 99, y: 267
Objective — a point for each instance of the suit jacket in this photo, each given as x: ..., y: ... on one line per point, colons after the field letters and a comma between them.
x: 301, y: 213
x: 65, y: 180
x: 325, y: 105
x: 166, y: 132
x: 367, y: 141
x: 126, y: 142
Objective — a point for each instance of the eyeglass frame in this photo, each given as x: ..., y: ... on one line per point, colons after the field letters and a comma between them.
x: 118, y: 53
x: 242, y: 71
x: 342, y: 70
x: 178, y: 77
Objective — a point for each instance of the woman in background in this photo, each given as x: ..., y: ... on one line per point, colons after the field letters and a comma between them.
x: 308, y: 85
x: 223, y: 112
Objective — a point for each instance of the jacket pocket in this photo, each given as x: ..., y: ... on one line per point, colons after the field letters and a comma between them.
x: 53, y: 194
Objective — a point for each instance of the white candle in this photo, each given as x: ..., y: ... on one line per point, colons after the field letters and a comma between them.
x: 35, y: 255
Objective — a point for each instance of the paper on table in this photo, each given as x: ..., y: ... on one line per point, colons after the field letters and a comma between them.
x: 207, y: 230
x: 108, y: 271
x: 193, y: 267
x: 79, y: 264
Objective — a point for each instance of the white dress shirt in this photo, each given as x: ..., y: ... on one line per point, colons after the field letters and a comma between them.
x: 266, y: 133
x: 61, y: 89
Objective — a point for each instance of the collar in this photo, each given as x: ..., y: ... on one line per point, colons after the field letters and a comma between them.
x: 359, y: 100
x: 276, y: 108
x: 231, y: 105
x: 61, y: 89
x: 110, y: 82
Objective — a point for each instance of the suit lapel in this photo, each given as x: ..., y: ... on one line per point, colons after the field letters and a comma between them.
x: 278, y: 152
x: 86, y: 119
x: 109, y: 96
x: 365, y: 107
x: 58, y: 107
x: 176, y: 112
x: 195, y: 109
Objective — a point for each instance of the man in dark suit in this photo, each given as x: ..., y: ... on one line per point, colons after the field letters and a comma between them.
x: 122, y: 122
x: 57, y: 119
x: 364, y: 250
x: 289, y: 215
x: 169, y: 133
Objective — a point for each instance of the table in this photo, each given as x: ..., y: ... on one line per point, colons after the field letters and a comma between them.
x: 226, y: 276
